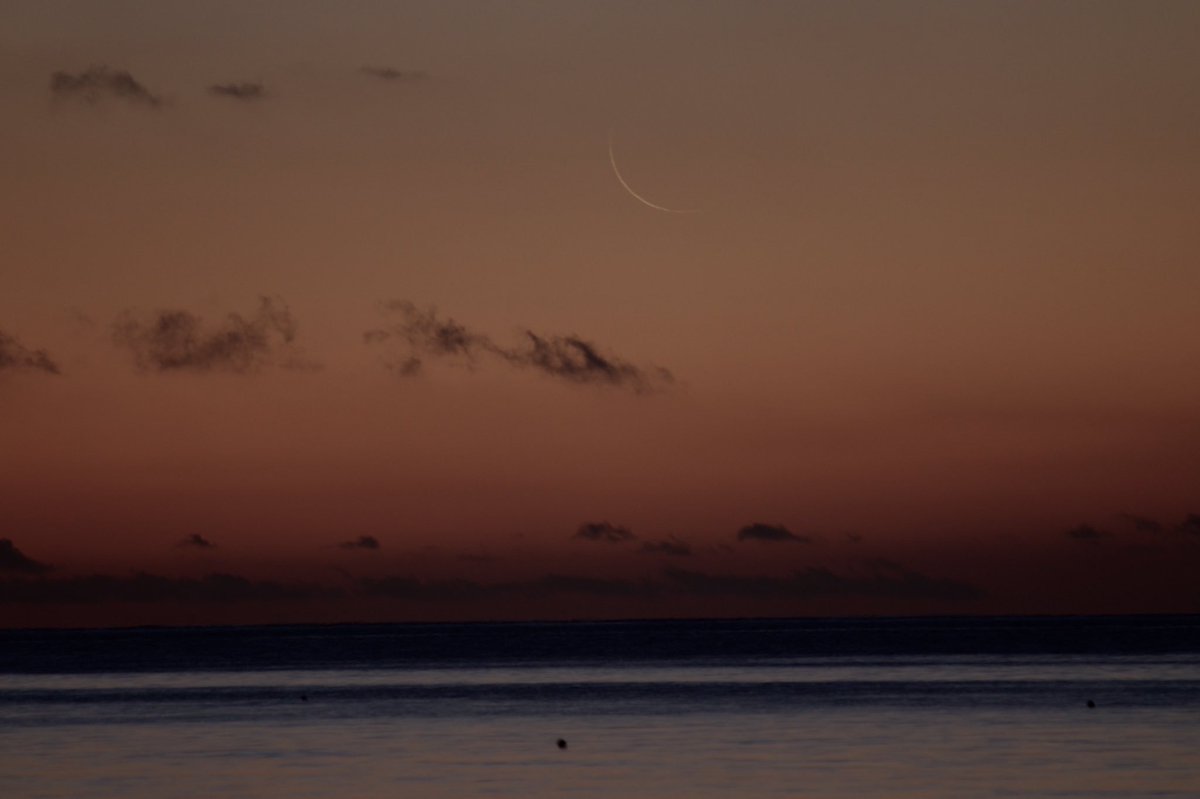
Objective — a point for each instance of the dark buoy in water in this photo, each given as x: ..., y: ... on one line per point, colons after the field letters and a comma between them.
x: 303, y: 697
x: 1091, y: 703
x: 562, y: 744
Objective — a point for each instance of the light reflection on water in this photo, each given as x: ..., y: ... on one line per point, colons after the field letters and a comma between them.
x: 793, y: 670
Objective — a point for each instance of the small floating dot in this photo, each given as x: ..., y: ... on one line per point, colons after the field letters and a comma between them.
x: 1091, y: 703
x: 562, y: 744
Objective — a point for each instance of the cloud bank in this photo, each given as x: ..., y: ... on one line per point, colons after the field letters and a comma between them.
x: 547, y: 586
x: 882, y: 580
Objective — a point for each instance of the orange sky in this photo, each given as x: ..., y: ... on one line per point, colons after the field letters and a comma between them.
x: 935, y: 317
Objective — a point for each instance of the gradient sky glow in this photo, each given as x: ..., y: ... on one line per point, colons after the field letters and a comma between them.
x: 282, y: 277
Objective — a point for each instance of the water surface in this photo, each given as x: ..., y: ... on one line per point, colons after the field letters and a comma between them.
x: 880, y: 708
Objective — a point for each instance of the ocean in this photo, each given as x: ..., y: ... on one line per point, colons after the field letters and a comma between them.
x: 824, y: 709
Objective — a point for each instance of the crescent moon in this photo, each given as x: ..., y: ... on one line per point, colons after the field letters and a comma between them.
x: 612, y: 159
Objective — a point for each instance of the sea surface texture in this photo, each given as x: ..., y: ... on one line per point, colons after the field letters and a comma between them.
x: 953, y: 708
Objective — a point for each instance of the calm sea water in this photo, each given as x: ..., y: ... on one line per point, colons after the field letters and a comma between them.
x: 823, y: 709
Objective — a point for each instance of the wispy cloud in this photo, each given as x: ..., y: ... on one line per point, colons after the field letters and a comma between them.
x: 569, y: 358
x: 238, y: 91
x: 362, y: 542
x: 177, y: 340
x: 672, y: 546
x: 770, y: 533
x: 605, y: 532
x: 98, y: 82
x: 393, y: 74
x: 14, y: 355
x: 1086, y: 534
x: 14, y: 561
x: 578, y: 361
x: 197, y: 541
x: 1142, y: 524
x: 1190, y: 525
x: 427, y: 333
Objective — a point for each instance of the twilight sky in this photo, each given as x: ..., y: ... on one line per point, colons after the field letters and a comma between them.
x: 330, y: 311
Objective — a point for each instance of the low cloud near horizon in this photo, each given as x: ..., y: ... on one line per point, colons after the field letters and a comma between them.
x: 879, y: 580
x: 14, y: 561
x: 197, y: 541
x: 368, y: 542
x: 672, y: 546
x: 1086, y: 533
x: 884, y: 580
x: 605, y: 532
x: 770, y: 533
x: 143, y: 587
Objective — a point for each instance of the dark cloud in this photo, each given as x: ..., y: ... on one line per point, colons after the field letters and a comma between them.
x: 144, y: 588
x: 95, y: 83
x: 362, y: 542
x: 14, y: 561
x: 14, y: 355
x: 390, y: 73
x: 774, y: 533
x: 604, y: 531
x: 672, y: 546
x: 427, y: 333
x: 197, y: 541
x: 181, y: 341
x: 569, y: 358
x: 1190, y: 525
x: 573, y: 359
x: 1141, y: 523
x: 1086, y: 533
x: 238, y: 91
x: 884, y: 581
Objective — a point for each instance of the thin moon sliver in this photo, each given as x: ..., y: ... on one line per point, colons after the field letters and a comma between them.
x: 612, y: 159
